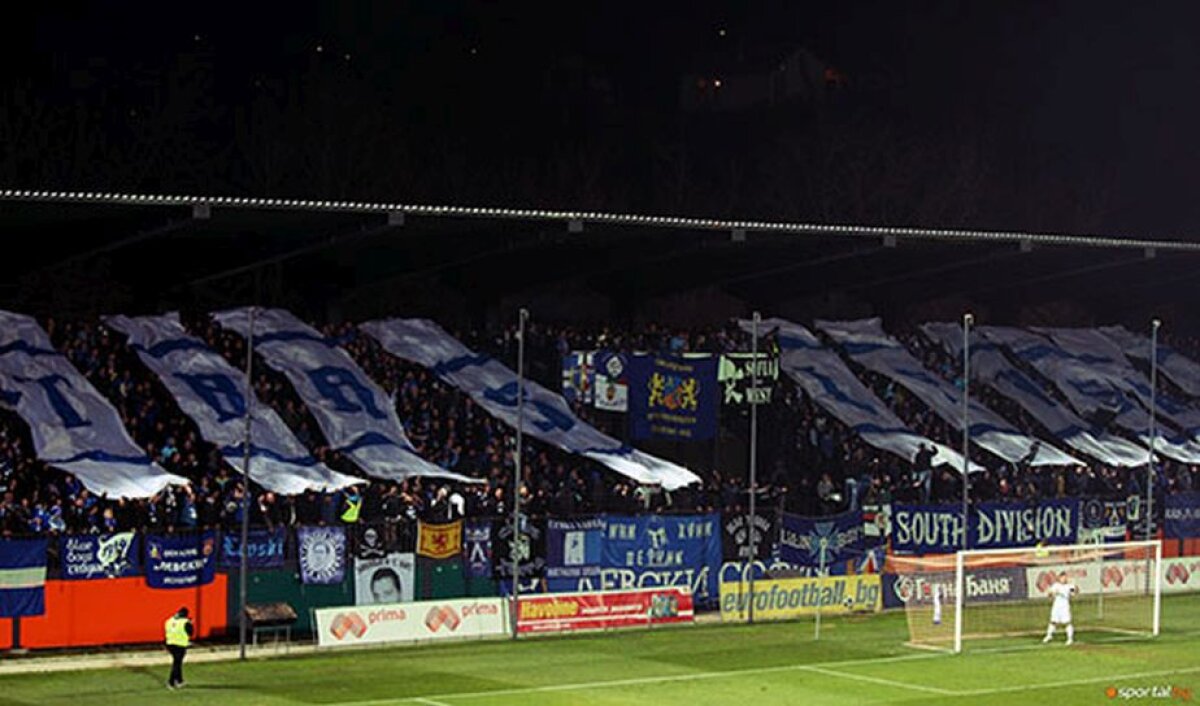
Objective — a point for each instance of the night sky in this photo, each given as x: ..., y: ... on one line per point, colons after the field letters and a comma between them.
x: 1076, y: 116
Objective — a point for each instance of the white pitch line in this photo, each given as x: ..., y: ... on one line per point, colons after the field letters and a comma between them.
x: 661, y: 679
x: 429, y: 702
x: 817, y: 668
x: 884, y: 682
x: 1113, y: 679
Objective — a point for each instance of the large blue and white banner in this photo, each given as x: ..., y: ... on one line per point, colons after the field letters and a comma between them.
x: 213, y: 394
x: 821, y: 541
x: 494, y: 387
x: 938, y: 529
x: 672, y: 397
x: 180, y: 561
x: 22, y: 577
x: 1106, y: 358
x: 574, y: 555
x: 867, y: 343
x: 264, y: 548
x: 356, y: 416
x: 1090, y: 390
x: 93, y: 556
x: 991, y: 367
x: 322, y: 554
x: 826, y: 379
x: 662, y: 550
x: 1182, y: 516
x: 73, y: 427
x: 1178, y: 368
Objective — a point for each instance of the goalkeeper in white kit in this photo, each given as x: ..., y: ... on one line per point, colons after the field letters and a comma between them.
x: 1060, y: 611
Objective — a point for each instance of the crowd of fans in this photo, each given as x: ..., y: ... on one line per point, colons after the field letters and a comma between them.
x: 810, y: 462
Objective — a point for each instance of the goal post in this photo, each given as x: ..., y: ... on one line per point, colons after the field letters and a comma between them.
x: 953, y: 600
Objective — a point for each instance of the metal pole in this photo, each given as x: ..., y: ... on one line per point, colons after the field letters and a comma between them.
x: 1154, y: 324
x: 968, y: 319
x: 248, y: 403
x: 820, y: 585
x: 753, y: 448
x: 522, y: 317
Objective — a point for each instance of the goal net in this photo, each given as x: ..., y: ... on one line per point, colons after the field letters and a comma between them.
x: 997, y: 594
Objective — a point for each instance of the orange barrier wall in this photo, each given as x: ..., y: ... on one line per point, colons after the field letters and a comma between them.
x: 117, y: 611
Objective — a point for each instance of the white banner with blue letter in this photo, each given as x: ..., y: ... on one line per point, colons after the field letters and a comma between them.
x: 1179, y: 369
x: 662, y: 550
x: 868, y: 344
x: 494, y: 387
x: 990, y: 366
x: 825, y: 378
x: 93, y: 556
x: 180, y: 560
x: 22, y: 577
x: 937, y: 529
x: 356, y: 416
x: 1091, y: 391
x: 821, y: 541
x: 213, y: 394
x: 1107, y: 360
x: 73, y: 427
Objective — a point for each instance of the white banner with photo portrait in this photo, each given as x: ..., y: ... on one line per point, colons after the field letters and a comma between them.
x: 385, y: 580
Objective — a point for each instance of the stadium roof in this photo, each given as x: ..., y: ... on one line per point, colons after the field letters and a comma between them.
x: 83, y: 252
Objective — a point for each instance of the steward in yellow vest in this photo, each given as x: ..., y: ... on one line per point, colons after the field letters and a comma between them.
x: 351, y: 506
x: 179, y: 632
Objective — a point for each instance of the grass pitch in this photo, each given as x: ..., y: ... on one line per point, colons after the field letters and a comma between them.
x: 859, y: 660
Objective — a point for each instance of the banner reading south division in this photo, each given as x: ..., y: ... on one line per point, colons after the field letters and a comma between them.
x: 813, y: 541
x: 656, y: 550
x: 937, y: 529
x: 99, y: 556
x: 180, y: 561
x: 783, y: 599
x: 672, y: 397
